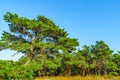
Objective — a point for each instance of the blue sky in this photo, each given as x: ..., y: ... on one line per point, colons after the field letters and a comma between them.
x: 86, y: 20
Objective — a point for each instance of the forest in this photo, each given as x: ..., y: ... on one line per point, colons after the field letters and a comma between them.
x: 48, y: 51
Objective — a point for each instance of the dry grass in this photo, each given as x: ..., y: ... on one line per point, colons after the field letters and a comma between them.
x: 79, y: 78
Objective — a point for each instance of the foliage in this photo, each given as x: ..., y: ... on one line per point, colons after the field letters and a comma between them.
x: 35, y: 36
x: 14, y: 70
x: 48, y: 51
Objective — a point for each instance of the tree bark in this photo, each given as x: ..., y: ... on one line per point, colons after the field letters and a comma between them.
x: 28, y: 61
x: 30, y: 55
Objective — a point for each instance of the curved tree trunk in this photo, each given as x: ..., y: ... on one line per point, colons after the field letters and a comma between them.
x: 30, y: 55
x: 28, y: 61
x: 29, y: 58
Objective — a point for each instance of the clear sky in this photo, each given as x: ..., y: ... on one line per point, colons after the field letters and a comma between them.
x: 86, y: 20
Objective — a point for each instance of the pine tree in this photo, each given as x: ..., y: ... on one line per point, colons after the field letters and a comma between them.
x: 101, y: 53
x: 35, y: 37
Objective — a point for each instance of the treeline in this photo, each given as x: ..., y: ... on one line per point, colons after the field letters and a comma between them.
x: 48, y: 51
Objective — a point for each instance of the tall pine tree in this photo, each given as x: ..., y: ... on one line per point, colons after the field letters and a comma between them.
x: 36, y: 37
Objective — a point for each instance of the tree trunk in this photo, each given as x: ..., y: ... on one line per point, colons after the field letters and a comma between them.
x: 105, y: 71
x: 30, y: 55
x: 99, y: 70
x: 88, y: 71
x: 28, y: 61
x: 83, y: 72
x: 29, y: 58
x: 67, y: 71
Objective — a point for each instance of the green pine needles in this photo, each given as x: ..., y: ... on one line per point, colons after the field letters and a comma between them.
x: 48, y: 51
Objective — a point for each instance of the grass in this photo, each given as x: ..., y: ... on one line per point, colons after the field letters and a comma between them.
x: 79, y: 78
